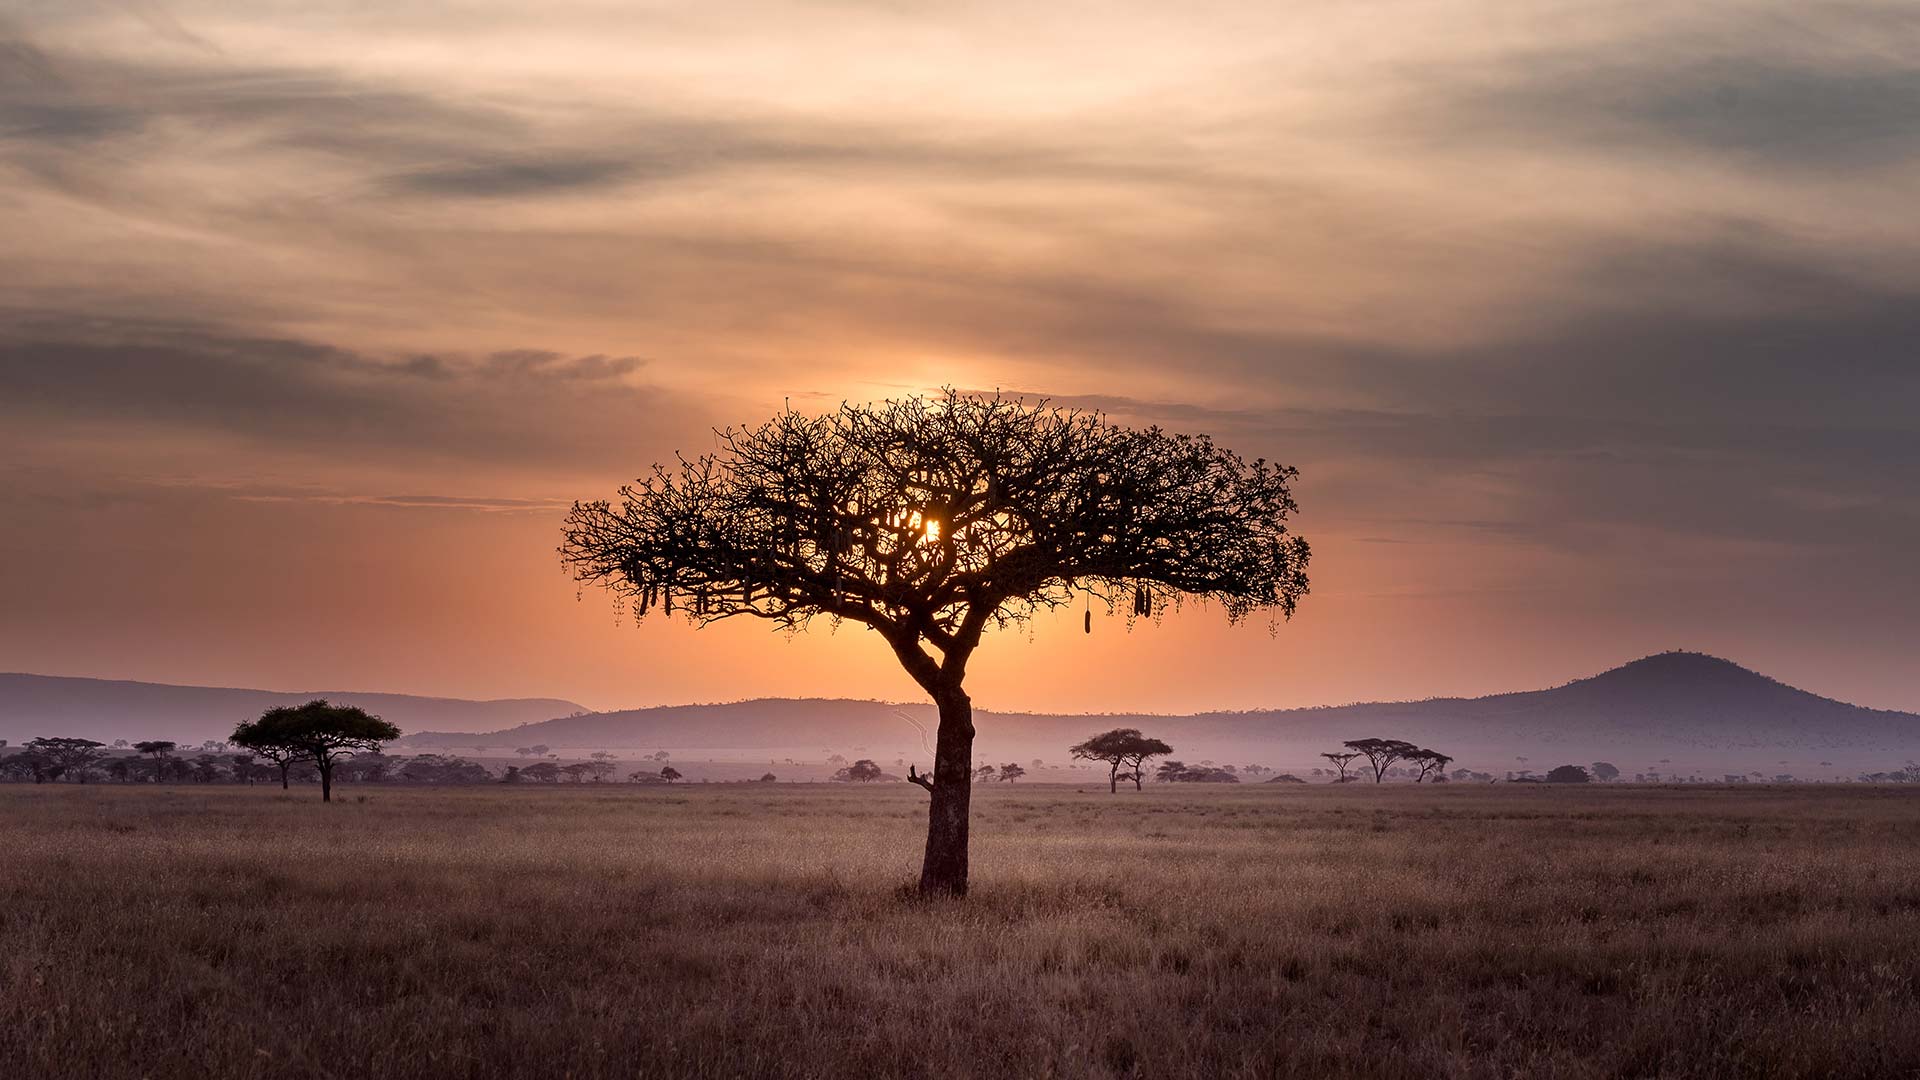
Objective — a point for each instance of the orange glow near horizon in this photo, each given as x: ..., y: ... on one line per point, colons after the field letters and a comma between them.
x: 316, y: 321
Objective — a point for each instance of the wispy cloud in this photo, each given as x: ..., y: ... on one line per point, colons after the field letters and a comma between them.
x: 1589, y: 292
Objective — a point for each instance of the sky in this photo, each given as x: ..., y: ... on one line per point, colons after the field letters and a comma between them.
x: 1593, y: 328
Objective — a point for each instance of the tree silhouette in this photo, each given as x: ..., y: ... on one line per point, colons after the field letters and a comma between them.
x: 669, y: 773
x: 927, y: 522
x: 864, y: 770
x: 1430, y: 763
x: 1121, y: 746
x: 159, y: 748
x: 1011, y: 771
x: 1569, y: 774
x: 1605, y: 770
x: 1381, y: 753
x: 30, y: 763
x: 283, y: 757
x: 70, y: 756
x: 1342, y: 759
x: 317, y: 732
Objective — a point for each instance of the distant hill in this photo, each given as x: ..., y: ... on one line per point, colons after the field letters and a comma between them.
x: 33, y: 705
x: 1673, y: 712
x: 1693, y: 710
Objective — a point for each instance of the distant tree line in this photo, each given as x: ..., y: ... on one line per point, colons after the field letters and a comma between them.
x: 83, y: 760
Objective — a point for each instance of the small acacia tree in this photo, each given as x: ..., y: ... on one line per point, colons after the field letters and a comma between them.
x: 71, y: 756
x: 1011, y: 771
x: 1342, y: 759
x: 283, y: 758
x: 927, y: 522
x: 159, y: 749
x: 316, y: 732
x: 1430, y: 763
x: 669, y: 773
x: 1381, y: 753
x: 1121, y: 746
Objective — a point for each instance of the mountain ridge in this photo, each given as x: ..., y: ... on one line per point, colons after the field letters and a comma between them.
x: 1667, y: 703
x: 1663, y: 707
x: 135, y: 709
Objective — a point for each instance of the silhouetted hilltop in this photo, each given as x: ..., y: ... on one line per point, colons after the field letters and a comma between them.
x: 1672, y: 704
x: 1676, y: 707
x: 105, y: 709
x: 1689, y: 681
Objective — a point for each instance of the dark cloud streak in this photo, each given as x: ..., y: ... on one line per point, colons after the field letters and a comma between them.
x: 520, y: 406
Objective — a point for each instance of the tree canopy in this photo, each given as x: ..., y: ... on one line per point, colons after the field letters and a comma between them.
x: 926, y: 521
x: 318, y: 732
x: 159, y: 749
x: 1121, y: 746
x: 929, y: 519
x: 1381, y: 753
x: 66, y: 755
x: 1341, y: 759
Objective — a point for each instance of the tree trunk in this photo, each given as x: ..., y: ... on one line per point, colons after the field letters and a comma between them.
x: 283, y: 775
x: 1113, y: 779
x: 326, y: 782
x: 944, y: 872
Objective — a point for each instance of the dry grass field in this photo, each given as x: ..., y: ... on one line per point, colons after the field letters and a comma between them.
x: 743, y: 930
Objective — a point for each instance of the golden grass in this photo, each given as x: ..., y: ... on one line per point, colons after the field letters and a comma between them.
x: 748, y: 930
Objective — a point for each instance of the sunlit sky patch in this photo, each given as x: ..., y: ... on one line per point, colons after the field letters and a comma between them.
x: 1591, y: 325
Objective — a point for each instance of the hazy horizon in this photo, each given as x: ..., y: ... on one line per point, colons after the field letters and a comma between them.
x: 562, y: 698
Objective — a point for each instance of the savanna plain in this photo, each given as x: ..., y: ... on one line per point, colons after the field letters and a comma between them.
x: 765, y: 930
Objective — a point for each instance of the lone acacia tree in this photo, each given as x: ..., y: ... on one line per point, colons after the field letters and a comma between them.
x: 928, y: 521
x: 1121, y: 746
x: 319, y: 732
